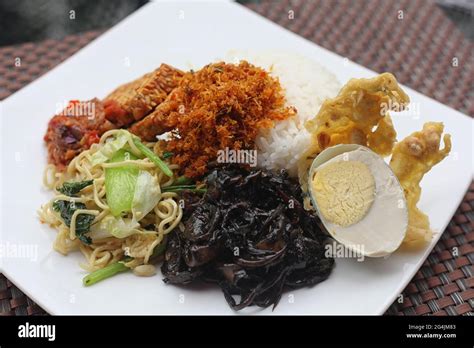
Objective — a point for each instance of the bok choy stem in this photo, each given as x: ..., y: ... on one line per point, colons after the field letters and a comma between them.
x: 104, y: 273
x: 152, y: 156
x: 178, y: 188
x: 118, y: 267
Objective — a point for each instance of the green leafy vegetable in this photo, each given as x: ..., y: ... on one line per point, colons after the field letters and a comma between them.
x: 182, y: 180
x: 120, y: 183
x: 159, y: 250
x: 83, y: 221
x: 116, y: 226
x: 152, y: 156
x: 167, y: 154
x: 71, y: 189
x: 67, y: 209
x: 111, y: 147
x: 178, y: 188
x: 105, y: 272
x: 118, y: 267
x: 146, y: 195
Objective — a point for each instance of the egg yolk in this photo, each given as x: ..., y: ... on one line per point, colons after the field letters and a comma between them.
x: 344, y: 191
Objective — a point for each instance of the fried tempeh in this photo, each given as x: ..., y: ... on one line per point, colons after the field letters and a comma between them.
x: 134, y: 100
x: 220, y: 106
x: 75, y: 129
x: 157, y: 122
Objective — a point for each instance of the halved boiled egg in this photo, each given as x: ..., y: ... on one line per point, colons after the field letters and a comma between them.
x: 359, y: 199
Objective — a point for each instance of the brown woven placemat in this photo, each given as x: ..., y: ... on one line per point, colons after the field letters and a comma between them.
x: 21, y: 64
x: 419, y: 48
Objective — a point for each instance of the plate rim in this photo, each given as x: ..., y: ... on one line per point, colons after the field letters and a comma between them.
x: 390, y: 299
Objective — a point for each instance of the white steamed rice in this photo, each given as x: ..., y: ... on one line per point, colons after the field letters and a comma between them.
x: 306, y: 84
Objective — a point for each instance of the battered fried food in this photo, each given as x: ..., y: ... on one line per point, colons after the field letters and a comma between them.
x: 357, y: 115
x: 361, y: 105
x: 220, y: 106
x: 412, y: 158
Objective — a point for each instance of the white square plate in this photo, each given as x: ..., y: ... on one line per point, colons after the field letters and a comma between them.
x: 184, y: 33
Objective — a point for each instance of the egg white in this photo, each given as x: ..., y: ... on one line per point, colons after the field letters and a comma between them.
x: 381, y: 231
